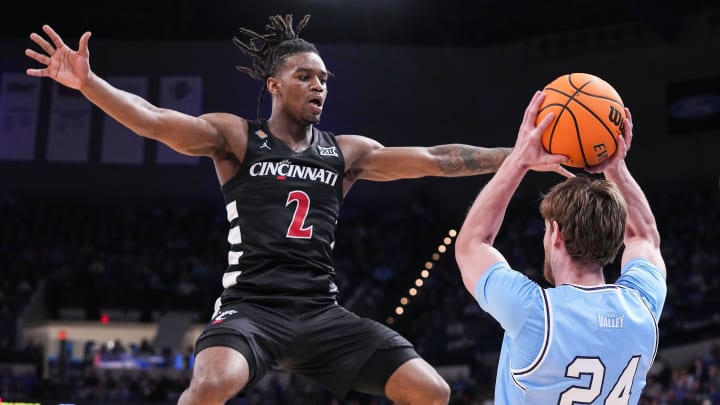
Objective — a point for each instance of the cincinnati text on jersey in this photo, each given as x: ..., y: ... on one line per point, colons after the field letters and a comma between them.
x: 286, y: 169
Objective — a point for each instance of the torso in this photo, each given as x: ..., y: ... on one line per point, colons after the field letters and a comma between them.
x: 583, y: 324
x: 235, y: 129
x: 573, y: 343
x: 282, y: 208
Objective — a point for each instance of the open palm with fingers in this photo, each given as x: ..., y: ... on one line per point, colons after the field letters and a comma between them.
x: 66, y: 66
x: 528, y: 143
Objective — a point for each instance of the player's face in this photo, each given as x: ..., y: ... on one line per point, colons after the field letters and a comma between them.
x: 302, y: 86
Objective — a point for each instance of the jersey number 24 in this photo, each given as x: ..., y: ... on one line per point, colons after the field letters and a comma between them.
x: 593, y: 366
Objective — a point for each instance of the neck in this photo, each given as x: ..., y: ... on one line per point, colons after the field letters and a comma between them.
x: 572, y: 272
x: 289, y: 131
x: 568, y: 271
x: 587, y: 279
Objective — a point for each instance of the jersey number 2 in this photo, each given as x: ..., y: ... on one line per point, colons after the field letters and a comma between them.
x: 297, y: 228
x: 620, y: 393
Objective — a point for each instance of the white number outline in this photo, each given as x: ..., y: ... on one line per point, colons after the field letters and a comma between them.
x: 620, y: 393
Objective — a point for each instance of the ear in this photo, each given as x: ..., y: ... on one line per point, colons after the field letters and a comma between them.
x: 273, y: 85
x: 556, y: 235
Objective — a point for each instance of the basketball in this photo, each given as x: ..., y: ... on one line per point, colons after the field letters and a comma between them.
x: 588, y: 119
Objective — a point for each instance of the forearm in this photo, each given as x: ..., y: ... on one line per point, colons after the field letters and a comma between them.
x: 131, y: 110
x: 455, y: 160
x: 487, y: 212
x: 640, y: 219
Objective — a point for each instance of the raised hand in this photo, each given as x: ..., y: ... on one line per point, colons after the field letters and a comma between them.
x: 624, y: 142
x: 66, y: 66
x: 528, y: 145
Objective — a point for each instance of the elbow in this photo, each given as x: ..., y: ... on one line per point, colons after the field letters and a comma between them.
x: 465, y: 241
x: 462, y: 251
x: 463, y: 245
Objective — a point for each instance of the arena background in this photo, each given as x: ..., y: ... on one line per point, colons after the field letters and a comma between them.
x: 405, y: 72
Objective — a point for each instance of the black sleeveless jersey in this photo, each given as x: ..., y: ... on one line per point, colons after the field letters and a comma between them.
x: 283, y: 209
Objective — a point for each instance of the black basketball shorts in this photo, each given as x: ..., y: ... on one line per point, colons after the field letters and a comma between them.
x: 328, y: 344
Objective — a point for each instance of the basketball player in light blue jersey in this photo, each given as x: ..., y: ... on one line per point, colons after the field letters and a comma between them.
x: 584, y: 341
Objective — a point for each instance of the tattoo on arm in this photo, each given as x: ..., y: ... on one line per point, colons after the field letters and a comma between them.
x: 462, y: 160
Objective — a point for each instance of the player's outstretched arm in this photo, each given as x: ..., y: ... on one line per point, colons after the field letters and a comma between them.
x: 474, y: 251
x: 367, y: 159
x: 642, y: 238
x: 71, y: 68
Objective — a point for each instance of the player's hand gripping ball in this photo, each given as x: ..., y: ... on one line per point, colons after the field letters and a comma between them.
x: 588, y: 120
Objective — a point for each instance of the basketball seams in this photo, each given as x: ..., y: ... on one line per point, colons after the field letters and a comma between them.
x: 556, y: 122
x: 614, y: 141
x: 608, y: 131
x: 570, y: 98
x: 557, y: 91
x: 601, y: 97
x: 563, y: 107
x: 578, y: 135
x: 580, y: 88
x: 577, y: 89
x: 585, y: 93
x: 597, y: 117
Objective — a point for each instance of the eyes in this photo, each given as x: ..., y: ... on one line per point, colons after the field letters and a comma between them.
x: 307, y: 77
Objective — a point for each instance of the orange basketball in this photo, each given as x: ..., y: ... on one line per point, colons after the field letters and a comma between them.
x: 588, y: 119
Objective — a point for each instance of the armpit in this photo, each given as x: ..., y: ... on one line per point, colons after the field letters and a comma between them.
x: 353, y: 173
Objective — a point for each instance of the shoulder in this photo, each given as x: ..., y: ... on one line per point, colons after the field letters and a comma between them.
x: 355, y: 147
x: 649, y: 281
x: 358, y: 142
x: 643, y: 275
x: 234, y: 130
x: 500, y: 283
x: 511, y: 298
x: 642, y: 268
x: 226, y: 122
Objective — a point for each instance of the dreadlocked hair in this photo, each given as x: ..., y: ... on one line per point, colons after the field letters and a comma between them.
x: 268, y: 51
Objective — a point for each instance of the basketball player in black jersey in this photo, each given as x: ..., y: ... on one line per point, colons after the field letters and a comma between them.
x: 283, y: 181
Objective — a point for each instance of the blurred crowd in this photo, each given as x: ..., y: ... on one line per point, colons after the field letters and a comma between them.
x: 147, y: 261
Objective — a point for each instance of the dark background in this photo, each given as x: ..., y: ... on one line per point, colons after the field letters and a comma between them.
x: 398, y: 22
x: 407, y: 72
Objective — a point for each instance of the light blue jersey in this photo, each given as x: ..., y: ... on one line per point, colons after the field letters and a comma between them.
x: 571, y: 344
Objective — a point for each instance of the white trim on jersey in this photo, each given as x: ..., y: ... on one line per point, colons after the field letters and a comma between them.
x: 234, y: 257
x: 657, y: 329
x: 547, y: 340
x: 232, y: 211
x: 216, y: 309
x: 230, y: 278
x: 519, y: 385
x: 234, y: 236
